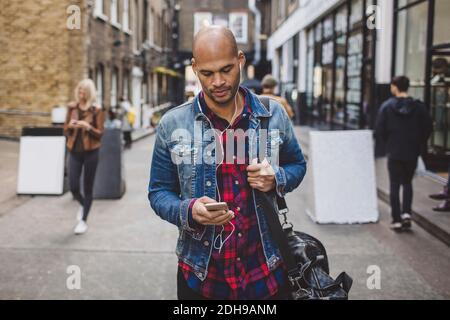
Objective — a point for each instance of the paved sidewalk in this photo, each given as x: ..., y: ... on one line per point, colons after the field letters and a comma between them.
x: 142, y: 133
x: 437, y: 224
x: 129, y: 252
x: 9, y: 159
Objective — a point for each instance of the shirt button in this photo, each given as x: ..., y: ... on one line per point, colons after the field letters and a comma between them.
x: 236, y: 182
x: 238, y: 259
x: 209, y: 153
x: 238, y: 209
x: 208, y: 183
x: 206, y: 243
x: 240, y: 235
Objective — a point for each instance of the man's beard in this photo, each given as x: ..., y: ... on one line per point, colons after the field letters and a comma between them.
x: 233, y: 92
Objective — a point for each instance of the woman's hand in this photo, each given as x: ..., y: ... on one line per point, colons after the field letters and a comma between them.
x: 72, y: 124
x: 83, y: 124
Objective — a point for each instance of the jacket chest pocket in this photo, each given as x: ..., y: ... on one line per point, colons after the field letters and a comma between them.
x: 183, y: 155
x: 272, y: 142
x: 275, y: 140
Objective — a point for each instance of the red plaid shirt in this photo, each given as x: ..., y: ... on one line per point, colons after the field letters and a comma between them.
x: 239, y: 271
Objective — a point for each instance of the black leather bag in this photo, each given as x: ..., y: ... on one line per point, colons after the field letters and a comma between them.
x: 304, y: 256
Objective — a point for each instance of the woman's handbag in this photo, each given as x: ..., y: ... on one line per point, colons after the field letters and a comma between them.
x: 304, y: 256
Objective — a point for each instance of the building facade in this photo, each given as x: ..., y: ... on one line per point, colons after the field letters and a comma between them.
x: 248, y: 20
x: 421, y: 51
x: 123, y: 45
x: 40, y: 62
x: 129, y: 50
x: 335, y: 59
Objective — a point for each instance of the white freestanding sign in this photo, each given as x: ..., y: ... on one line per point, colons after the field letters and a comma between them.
x: 342, y: 174
x: 41, y: 165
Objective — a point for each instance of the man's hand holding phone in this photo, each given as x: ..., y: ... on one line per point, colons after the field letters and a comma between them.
x: 207, y: 211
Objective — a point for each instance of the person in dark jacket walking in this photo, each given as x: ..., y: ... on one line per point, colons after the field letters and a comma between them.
x: 405, y: 126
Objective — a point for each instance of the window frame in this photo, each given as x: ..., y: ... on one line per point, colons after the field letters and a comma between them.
x: 199, y: 17
x: 233, y: 16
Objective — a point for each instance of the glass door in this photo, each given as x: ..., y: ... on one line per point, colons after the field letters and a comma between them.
x: 440, y: 102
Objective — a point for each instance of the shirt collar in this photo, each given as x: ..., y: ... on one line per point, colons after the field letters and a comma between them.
x: 212, y: 116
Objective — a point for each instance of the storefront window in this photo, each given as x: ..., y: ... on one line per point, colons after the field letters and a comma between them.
x: 309, y: 71
x: 356, y: 14
x: 341, y: 53
x: 337, y: 66
x: 412, y: 58
x: 355, y: 49
x: 440, y: 101
x: 411, y: 46
x: 441, y: 28
x: 402, y: 3
x: 310, y: 38
x: 341, y: 20
x: 339, y: 95
x: 317, y: 78
x: 318, y: 32
x: 328, y: 28
x: 367, y: 113
x: 327, y: 53
x: 327, y: 79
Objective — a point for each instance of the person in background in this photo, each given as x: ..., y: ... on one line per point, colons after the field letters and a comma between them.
x: 112, y: 122
x: 405, y: 126
x: 190, y: 96
x: 444, y: 195
x: 269, y: 84
x: 440, y: 76
x: 83, y: 128
x: 127, y: 127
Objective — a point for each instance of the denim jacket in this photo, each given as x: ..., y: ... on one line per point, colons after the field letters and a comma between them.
x: 177, y: 176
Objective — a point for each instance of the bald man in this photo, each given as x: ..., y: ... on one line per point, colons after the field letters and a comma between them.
x: 204, y: 174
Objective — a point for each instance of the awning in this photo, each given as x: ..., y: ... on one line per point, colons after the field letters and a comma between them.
x: 164, y: 70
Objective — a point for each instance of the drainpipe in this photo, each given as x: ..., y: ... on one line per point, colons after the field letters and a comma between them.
x: 257, y: 34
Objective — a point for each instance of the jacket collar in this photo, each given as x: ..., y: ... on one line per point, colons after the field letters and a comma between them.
x: 257, y: 108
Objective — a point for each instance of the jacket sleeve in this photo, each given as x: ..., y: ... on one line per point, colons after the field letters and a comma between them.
x: 381, y: 131
x: 164, y: 187
x: 292, y: 164
x: 98, y: 128
x: 288, y: 108
x: 428, y: 125
x: 68, y: 130
x: 427, y: 129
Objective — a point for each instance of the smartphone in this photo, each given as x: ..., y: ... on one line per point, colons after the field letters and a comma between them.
x: 216, y: 206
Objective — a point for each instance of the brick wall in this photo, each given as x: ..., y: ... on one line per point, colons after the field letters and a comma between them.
x: 40, y: 62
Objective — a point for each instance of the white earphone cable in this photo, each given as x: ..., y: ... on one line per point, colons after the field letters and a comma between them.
x: 220, y: 235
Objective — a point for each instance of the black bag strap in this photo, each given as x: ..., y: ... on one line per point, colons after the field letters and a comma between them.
x: 279, y: 235
x: 271, y: 213
x: 265, y: 125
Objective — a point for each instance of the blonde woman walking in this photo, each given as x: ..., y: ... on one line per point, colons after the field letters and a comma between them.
x: 83, y: 128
